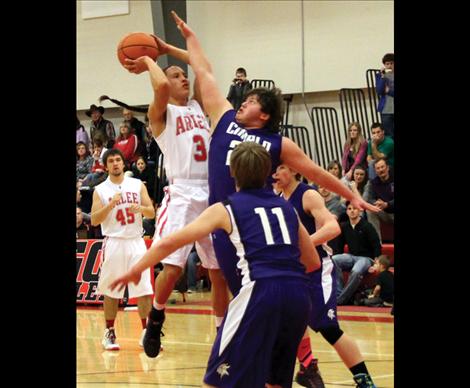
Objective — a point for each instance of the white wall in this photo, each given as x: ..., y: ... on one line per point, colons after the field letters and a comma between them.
x: 98, y: 69
x: 342, y: 40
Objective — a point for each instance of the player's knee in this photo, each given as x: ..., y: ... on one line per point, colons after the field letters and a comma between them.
x: 331, y: 334
x: 172, y: 272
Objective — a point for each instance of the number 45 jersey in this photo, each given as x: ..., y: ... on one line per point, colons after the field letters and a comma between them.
x: 184, y: 142
x: 121, y: 222
x: 265, y: 234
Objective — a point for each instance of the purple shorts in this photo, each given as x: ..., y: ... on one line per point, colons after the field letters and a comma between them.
x: 258, y: 339
x: 323, y: 296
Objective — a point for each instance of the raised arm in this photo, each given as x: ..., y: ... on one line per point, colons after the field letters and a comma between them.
x: 161, y: 91
x: 214, y: 217
x: 295, y: 158
x: 215, y: 104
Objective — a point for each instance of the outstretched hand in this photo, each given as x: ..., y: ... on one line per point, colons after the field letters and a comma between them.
x: 359, y: 203
x: 182, y: 26
x: 122, y: 281
x: 136, y: 66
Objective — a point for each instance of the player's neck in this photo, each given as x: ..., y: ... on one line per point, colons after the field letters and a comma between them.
x: 287, y: 191
x: 178, y: 102
x: 116, y: 179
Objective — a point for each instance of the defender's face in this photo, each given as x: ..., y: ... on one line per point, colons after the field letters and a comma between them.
x: 283, y: 176
x: 250, y: 112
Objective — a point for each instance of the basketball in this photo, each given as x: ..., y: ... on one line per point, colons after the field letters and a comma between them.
x: 135, y: 45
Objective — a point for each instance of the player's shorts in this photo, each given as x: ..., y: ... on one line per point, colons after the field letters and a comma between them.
x: 184, y: 201
x: 323, y: 296
x: 258, y: 339
x: 119, y: 255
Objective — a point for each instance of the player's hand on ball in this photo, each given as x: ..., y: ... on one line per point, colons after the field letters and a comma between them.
x: 161, y: 44
x: 136, y: 66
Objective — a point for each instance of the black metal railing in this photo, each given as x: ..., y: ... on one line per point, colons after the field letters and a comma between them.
x: 262, y: 83
x: 353, y: 109
x: 326, y: 135
x: 300, y: 136
x: 373, y: 97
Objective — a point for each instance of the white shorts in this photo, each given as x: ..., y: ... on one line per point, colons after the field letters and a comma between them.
x: 184, y: 201
x: 119, y: 255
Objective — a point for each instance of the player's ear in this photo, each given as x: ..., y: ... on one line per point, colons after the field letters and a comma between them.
x: 264, y: 116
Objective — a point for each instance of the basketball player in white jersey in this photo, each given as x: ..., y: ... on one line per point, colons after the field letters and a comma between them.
x: 180, y: 128
x: 118, y: 205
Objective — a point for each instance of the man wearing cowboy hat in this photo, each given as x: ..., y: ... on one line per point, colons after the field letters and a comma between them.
x: 100, y: 126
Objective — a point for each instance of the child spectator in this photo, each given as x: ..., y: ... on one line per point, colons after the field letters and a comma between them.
x: 239, y: 88
x: 382, y: 294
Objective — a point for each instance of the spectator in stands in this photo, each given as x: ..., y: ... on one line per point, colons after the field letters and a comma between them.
x: 332, y: 202
x: 380, y: 146
x: 83, y: 222
x: 335, y: 168
x: 82, y: 135
x: 363, y: 245
x: 127, y: 143
x: 193, y: 260
x: 141, y: 171
x: 98, y: 171
x: 381, y: 194
x: 84, y: 161
x: 385, y: 86
x: 99, y: 125
x: 382, y: 294
x: 240, y: 86
x: 359, y: 182
x: 354, y: 150
x: 154, y: 152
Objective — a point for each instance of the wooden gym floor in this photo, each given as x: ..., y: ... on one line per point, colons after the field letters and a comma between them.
x: 189, y: 332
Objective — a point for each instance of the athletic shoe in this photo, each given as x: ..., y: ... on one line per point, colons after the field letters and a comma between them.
x: 152, y: 335
x: 310, y: 377
x: 364, y: 380
x: 109, y: 340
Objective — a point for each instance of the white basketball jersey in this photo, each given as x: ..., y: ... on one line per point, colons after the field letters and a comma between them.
x: 185, y: 142
x: 121, y: 222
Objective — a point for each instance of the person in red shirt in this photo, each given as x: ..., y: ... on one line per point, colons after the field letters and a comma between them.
x: 127, y: 143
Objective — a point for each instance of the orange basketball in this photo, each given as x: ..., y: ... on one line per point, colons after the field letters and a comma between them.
x: 135, y: 45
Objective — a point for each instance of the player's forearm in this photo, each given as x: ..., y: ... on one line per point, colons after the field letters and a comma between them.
x: 326, y: 233
x: 98, y: 216
x: 197, y: 58
x: 157, y: 76
x: 148, y: 211
x: 178, y: 53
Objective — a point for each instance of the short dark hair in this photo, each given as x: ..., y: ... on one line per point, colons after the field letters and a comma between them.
x: 250, y: 165
x: 388, y: 58
x: 241, y: 70
x: 112, y: 152
x: 271, y: 103
x: 379, y: 159
x: 376, y: 125
x: 384, y: 260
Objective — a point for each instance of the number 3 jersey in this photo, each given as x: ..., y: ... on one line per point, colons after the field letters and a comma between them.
x: 265, y: 234
x: 121, y: 222
x: 185, y: 141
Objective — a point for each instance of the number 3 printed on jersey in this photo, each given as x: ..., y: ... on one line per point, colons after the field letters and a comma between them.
x: 200, y: 153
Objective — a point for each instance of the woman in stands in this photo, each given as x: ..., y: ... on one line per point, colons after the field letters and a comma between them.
x: 354, y: 150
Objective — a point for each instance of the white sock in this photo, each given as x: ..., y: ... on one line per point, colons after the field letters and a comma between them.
x: 158, y: 306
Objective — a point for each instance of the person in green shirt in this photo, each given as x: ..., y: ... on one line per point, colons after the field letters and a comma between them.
x: 380, y: 146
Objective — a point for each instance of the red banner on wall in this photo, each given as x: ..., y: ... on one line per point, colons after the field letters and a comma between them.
x: 89, y: 257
